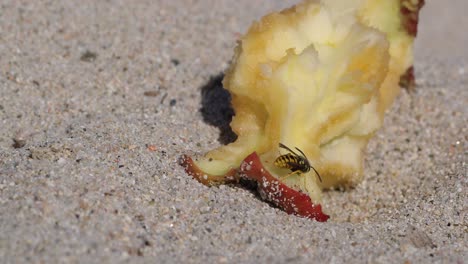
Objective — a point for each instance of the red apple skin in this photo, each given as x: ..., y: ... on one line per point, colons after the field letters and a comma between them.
x: 409, y: 21
x: 278, y: 193
x: 410, y: 16
x: 407, y: 80
x: 269, y: 187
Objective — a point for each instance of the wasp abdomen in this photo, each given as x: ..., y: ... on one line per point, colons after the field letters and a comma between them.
x: 283, y: 161
x: 294, y: 162
x: 289, y: 161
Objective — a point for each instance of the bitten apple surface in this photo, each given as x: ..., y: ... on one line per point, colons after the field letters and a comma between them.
x: 318, y: 76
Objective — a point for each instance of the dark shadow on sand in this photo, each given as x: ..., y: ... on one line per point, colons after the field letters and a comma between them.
x: 216, y: 108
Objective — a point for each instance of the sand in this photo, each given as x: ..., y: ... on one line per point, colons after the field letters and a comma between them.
x: 98, y: 100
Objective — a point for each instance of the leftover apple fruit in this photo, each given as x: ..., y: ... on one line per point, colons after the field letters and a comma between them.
x: 317, y: 77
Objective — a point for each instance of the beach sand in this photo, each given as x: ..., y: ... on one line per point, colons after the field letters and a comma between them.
x: 99, y: 99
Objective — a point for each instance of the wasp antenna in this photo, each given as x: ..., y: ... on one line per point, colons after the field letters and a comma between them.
x: 320, y: 178
x: 281, y: 145
x: 302, y: 153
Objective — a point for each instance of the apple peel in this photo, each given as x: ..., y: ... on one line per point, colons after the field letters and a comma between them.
x: 269, y: 187
x: 205, y: 178
x: 278, y: 193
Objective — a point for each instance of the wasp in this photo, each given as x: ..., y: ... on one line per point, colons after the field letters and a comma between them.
x: 296, y: 163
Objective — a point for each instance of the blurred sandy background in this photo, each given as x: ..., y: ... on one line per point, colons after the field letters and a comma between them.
x: 98, y: 99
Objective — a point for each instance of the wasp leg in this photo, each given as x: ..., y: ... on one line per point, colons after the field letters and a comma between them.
x: 290, y: 174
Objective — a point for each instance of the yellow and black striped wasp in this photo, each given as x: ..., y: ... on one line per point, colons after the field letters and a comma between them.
x: 296, y: 163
